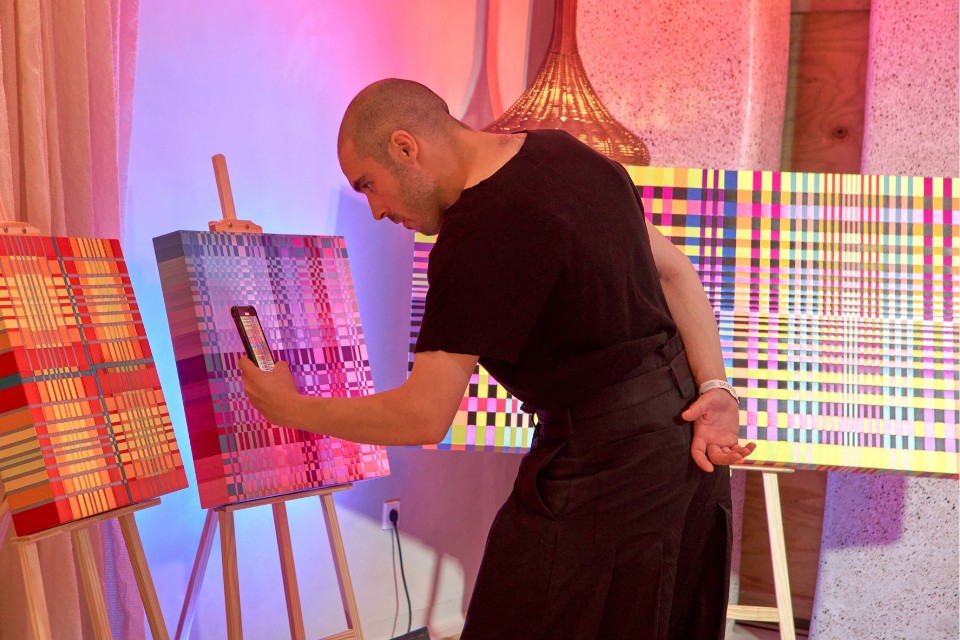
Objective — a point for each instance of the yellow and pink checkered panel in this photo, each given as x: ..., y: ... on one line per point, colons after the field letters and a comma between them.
x: 303, y: 291
x: 84, y: 427
x: 837, y: 302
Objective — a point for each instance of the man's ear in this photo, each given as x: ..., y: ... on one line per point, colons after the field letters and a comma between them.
x: 403, y: 147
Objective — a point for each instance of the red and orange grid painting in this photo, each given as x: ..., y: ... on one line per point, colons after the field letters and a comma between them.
x: 837, y: 302
x: 303, y: 291
x: 84, y: 427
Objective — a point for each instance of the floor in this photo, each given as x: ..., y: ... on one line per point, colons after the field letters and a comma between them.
x: 745, y: 632
x: 740, y: 632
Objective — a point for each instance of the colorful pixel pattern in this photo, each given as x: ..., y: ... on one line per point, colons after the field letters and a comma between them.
x: 837, y: 303
x: 303, y: 292
x: 84, y: 427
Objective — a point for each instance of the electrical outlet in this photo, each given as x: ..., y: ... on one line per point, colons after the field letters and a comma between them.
x: 388, y: 506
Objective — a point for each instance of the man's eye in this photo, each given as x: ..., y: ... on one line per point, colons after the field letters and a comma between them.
x: 366, y: 187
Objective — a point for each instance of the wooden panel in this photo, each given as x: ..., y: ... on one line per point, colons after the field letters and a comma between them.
x: 815, y: 6
x: 823, y: 132
x: 823, y: 127
x: 802, y: 499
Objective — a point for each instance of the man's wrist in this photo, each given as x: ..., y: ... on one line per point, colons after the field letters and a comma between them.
x: 709, y: 385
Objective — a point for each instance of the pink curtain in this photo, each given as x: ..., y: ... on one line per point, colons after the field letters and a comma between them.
x: 66, y: 101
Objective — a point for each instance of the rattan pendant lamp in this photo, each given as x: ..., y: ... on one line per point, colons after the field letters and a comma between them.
x: 561, y: 97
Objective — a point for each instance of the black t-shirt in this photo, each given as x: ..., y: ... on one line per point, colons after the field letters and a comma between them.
x: 544, y: 271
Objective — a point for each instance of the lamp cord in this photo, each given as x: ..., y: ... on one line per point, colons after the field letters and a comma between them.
x: 396, y: 532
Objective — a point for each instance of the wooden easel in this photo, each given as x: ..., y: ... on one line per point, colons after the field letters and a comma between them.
x: 231, y: 583
x: 783, y: 612
x: 79, y: 532
x: 223, y: 516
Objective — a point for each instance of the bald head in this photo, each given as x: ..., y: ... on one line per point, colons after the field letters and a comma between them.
x: 386, y: 106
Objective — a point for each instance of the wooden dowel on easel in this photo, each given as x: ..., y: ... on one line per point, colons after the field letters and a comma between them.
x: 778, y: 556
x: 5, y: 520
x: 289, y: 572
x: 350, y: 610
x: 231, y: 578
x: 36, y: 600
x: 196, y: 576
x: 229, y: 222
x: 223, y: 187
x: 138, y: 561
x: 92, y: 584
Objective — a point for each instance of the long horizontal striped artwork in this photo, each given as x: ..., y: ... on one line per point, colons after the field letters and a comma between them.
x: 837, y: 302
x: 84, y: 427
x: 303, y: 291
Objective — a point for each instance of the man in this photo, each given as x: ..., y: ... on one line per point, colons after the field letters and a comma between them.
x: 546, y: 271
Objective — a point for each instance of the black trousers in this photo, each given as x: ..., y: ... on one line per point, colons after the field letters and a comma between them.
x: 611, y: 532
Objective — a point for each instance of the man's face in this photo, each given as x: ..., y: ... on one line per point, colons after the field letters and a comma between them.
x: 405, y: 195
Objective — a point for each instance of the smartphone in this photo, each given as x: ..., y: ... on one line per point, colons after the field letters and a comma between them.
x: 251, y: 333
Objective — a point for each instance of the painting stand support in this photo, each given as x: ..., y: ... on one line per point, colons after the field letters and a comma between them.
x: 783, y: 612
x: 223, y: 516
x: 79, y: 531
x: 231, y: 584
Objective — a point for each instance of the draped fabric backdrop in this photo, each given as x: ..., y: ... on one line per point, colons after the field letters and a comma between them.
x: 66, y: 99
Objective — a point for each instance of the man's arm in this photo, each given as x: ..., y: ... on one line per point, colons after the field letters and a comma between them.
x: 715, y: 414
x: 419, y: 411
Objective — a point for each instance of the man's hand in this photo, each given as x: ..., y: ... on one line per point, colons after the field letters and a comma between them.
x: 274, y: 393
x: 716, y: 425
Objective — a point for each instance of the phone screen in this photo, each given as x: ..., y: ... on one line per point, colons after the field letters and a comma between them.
x: 254, y: 341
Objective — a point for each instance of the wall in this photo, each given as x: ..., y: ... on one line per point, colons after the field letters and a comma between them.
x: 265, y: 84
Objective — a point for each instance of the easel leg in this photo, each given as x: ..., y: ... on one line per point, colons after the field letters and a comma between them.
x: 196, y: 576
x: 340, y: 564
x: 92, y: 585
x: 231, y: 578
x: 151, y: 605
x: 36, y: 600
x: 5, y: 520
x: 289, y: 571
x: 778, y: 555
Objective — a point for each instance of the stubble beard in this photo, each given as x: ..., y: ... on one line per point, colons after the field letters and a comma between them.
x: 422, y: 200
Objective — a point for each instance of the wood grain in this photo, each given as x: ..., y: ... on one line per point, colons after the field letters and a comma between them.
x: 141, y: 571
x: 823, y: 126
x: 802, y: 496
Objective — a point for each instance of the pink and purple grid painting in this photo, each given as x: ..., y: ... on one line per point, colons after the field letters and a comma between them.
x: 84, y: 427
x: 303, y: 292
x: 837, y: 304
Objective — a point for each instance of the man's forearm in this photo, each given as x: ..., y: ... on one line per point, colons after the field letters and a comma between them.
x: 387, y: 418
x: 692, y: 312
x: 417, y: 412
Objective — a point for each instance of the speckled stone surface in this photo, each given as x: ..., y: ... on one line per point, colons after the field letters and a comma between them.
x: 888, y: 560
x: 704, y: 84
x: 912, y: 126
x: 889, y: 565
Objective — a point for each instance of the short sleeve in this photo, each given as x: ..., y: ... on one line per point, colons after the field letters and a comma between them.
x: 490, y: 274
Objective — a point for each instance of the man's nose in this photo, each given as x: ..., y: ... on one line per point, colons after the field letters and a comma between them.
x: 379, y: 212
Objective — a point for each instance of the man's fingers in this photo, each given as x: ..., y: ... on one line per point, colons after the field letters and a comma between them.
x: 246, y: 364
x: 743, y: 451
x: 726, y: 455
x: 694, y: 411
x: 699, y: 456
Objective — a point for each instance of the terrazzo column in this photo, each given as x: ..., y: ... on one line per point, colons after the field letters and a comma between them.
x: 704, y: 85
x: 889, y: 559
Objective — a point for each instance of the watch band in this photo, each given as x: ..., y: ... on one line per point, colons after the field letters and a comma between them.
x: 719, y: 384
